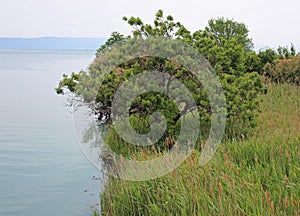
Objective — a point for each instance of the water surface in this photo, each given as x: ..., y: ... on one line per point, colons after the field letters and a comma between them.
x: 42, y: 170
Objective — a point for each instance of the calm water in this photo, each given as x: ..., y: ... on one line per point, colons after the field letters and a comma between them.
x: 42, y: 170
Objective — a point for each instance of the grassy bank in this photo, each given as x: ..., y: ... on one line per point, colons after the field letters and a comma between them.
x: 257, y: 176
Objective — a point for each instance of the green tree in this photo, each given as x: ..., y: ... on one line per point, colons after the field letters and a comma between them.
x: 162, y: 27
x: 253, y: 62
x: 115, y: 37
x: 226, y: 45
x: 285, y: 52
x: 224, y: 29
x: 266, y: 56
x: 270, y: 61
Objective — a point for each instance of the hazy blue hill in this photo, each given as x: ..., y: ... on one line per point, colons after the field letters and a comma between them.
x: 54, y: 43
x: 72, y: 43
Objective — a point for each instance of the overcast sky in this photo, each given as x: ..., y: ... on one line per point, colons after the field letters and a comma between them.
x: 271, y: 22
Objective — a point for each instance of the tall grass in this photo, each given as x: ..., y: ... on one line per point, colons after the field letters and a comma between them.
x: 257, y: 176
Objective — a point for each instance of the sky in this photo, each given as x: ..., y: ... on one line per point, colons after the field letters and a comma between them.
x: 271, y: 22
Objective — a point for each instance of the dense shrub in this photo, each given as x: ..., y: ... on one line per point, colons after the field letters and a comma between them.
x: 284, y: 70
x: 226, y: 45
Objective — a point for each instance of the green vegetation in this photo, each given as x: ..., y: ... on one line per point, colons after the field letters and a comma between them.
x: 225, y: 44
x: 256, y: 169
x: 257, y: 176
x: 284, y: 70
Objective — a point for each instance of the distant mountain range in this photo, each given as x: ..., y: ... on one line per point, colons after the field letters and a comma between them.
x: 52, y: 43
x: 68, y: 43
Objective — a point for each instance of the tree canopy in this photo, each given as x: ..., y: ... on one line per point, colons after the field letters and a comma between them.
x: 226, y: 45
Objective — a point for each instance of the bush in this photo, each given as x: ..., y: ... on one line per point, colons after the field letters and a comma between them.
x: 284, y: 70
x: 226, y: 45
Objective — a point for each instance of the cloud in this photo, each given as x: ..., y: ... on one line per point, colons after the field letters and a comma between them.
x: 270, y: 22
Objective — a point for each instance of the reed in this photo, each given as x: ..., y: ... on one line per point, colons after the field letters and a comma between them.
x: 259, y: 175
